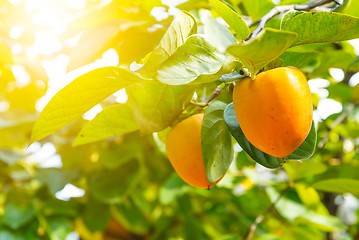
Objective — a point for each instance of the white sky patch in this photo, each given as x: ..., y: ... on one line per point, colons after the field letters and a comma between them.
x: 16, y: 49
x: 16, y: 32
x: 91, y: 114
x: 121, y: 96
x: 46, y: 15
x: 4, y: 106
x: 172, y: 3
x: 73, y: 236
x: 337, y: 74
x: 69, y: 191
x: 76, y: 4
x: 22, y: 77
x: 355, y: 44
x: 45, y: 156
x: 46, y: 43
x: 354, y: 80
x: 327, y: 107
x: 317, y: 86
x: 160, y: 13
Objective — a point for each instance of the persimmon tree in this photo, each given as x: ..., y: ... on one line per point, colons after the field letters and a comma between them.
x: 172, y: 70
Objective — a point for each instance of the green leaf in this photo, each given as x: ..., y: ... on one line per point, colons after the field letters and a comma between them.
x: 298, y: 59
x: 320, y: 27
x: 261, y: 50
x: 96, y: 215
x: 55, y: 178
x: 109, y: 186
x: 297, y: 213
x: 231, y: 17
x: 156, y: 105
x: 236, y: 131
x: 305, y: 150
x: 131, y: 217
x: 338, y: 185
x: 195, y: 61
x: 276, y: 63
x: 180, y: 29
x: 258, y: 8
x: 216, y: 142
x: 172, y: 188
x: 16, y: 216
x: 216, y: 33
x: 297, y: 170
x: 354, y: 65
x: 58, y: 227
x: 80, y: 96
x: 111, y: 121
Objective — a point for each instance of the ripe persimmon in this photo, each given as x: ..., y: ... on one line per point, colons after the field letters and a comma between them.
x: 274, y: 110
x: 183, y: 146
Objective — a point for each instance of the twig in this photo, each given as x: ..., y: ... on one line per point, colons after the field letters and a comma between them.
x: 282, y: 9
x: 260, y: 218
x: 215, y: 94
x: 337, y: 121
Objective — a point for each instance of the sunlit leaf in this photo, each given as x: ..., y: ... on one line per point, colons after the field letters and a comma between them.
x: 80, y: 96
x: 231, y: 17
x: 156, y: 105
x: 195, y: 61
x: 298, y: 59
x: 322, y: 27
x: 112, y: 121
x: 258, y: 8
x: 216, y: 33
x: 338, y: 185
x: 262, y: 49
x: 216, y: 142
x: 58, y: 227
x: 181, y: 28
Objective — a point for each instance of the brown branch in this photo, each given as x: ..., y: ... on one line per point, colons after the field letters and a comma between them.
x: 215, y: 94
x: 282, y: 9
x: 260, y: 218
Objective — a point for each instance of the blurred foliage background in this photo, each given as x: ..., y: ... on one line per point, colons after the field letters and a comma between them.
x: 125, y: 187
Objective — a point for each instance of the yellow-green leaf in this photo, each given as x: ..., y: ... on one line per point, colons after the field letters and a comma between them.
x: 80, y: 96
x: 112, y: 121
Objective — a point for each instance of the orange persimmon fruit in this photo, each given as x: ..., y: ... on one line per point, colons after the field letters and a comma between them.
x: 274, y: 110
x: 183, y: 147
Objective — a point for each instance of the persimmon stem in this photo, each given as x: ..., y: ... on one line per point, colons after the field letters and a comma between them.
x: 282, y: 9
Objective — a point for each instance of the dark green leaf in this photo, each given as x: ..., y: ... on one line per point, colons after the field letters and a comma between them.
x: 172, y: 188
x: 216, y: 142
x: 55, y: 178
x: 96, y: 215
x: 109, y: 186
x: 298, y: 59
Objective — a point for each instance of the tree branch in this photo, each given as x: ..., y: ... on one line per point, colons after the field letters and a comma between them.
x: 282, y: 9
x: 260, y: 218
x: 337, y: 121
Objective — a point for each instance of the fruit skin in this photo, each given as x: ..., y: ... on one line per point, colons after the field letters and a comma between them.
x: 183, y: 147
x: 274, y: 110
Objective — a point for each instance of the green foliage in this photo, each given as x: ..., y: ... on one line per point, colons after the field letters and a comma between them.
x: 272, y: 44
x: 216, y: 143
x: 118, y: 159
